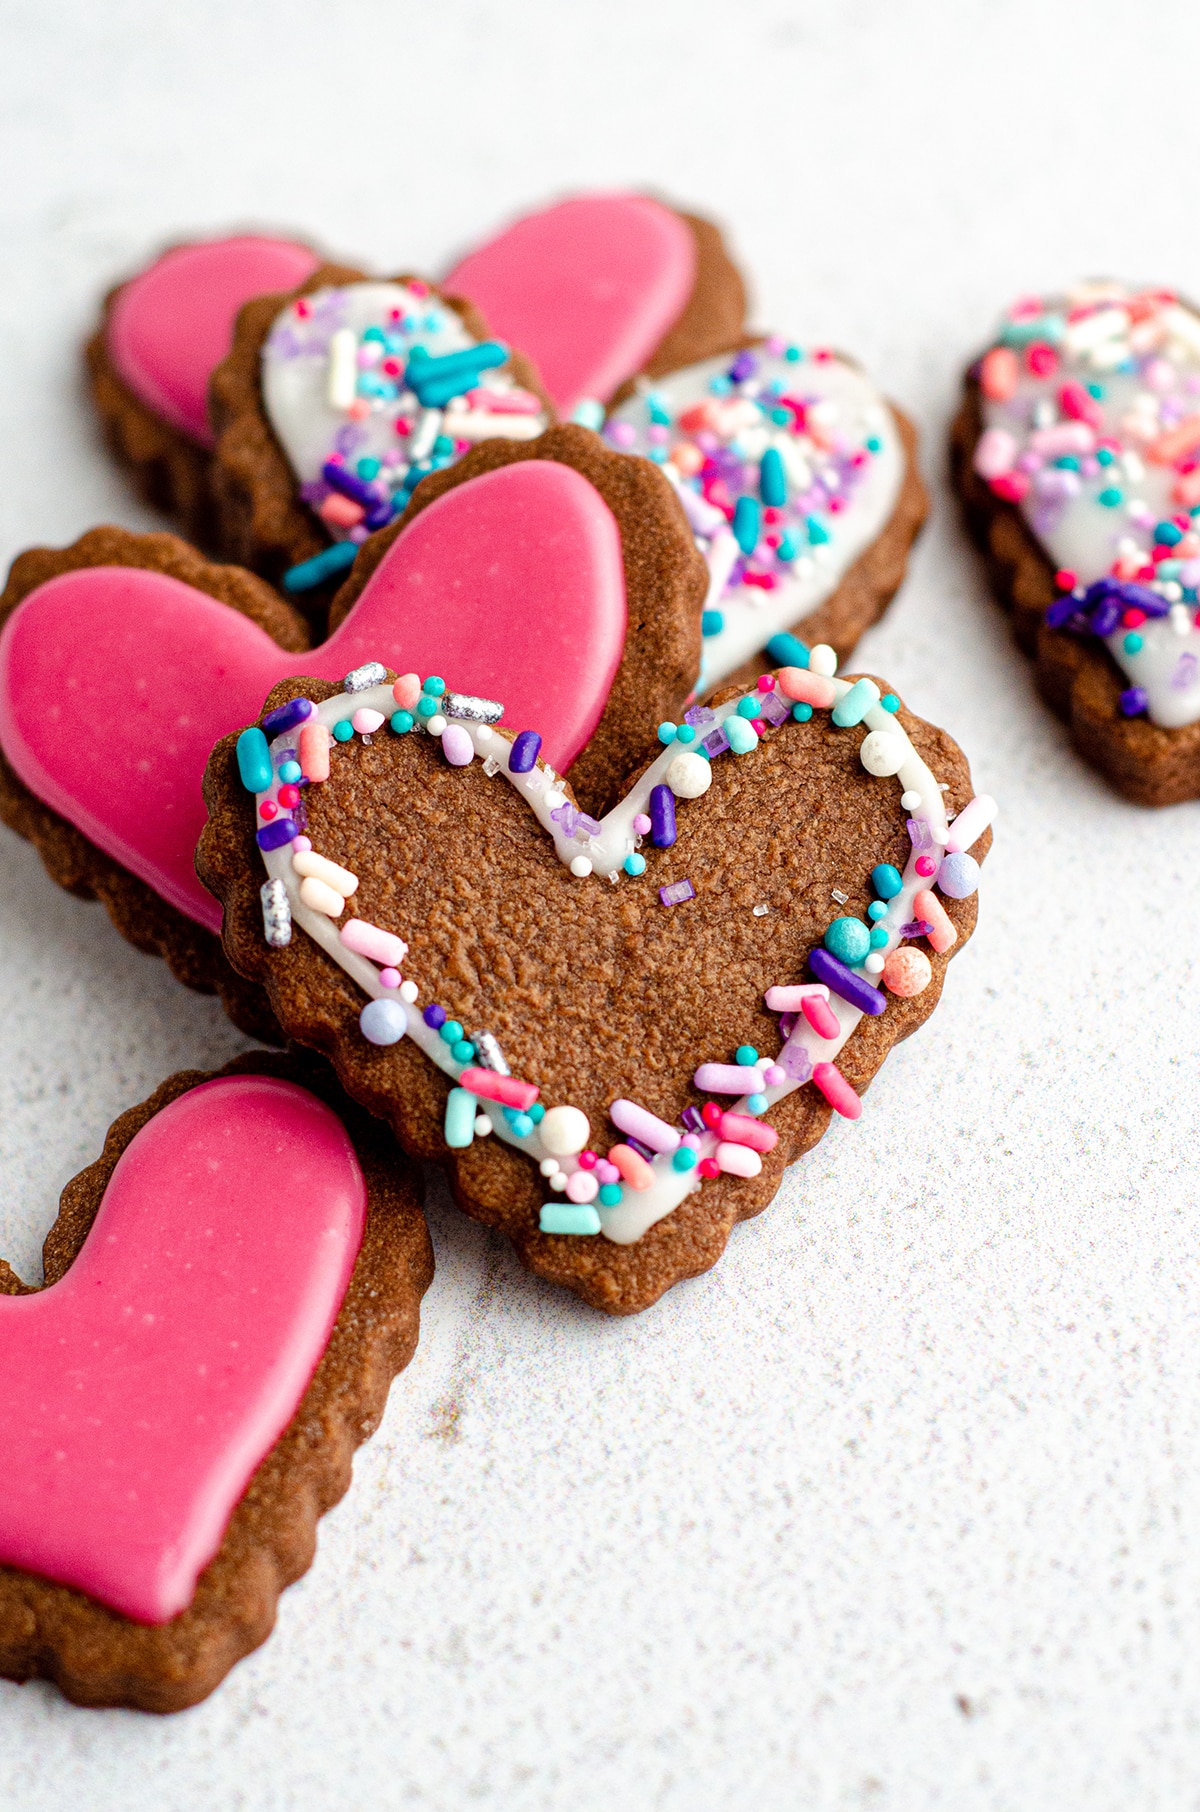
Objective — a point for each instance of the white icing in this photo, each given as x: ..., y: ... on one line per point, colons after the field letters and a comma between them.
x: 1142, y: 350
x: 606, y: 849
x: 849, y: 411
x: 317, y: 366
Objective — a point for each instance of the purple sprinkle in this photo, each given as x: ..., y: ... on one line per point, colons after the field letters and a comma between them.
x: 693, y: 1119
x: 1133, y: 701
x: 1184, y: 675
x: 796, y: 1061
x: 716, y: 742
x: 315, y: 491
x: 775, y: 709
x: 643, y: 1151
x: 347, y: 438
x: 677, y: 893
x: 920, y: 833
x: 699, y: 714
x: 435, y: 1016
x: 916, y: 928
x: 286, y: 717
x: 845, y: 982
x: 787, y: 1024
x: 524, y: 752
x: 351, y: 485
x: 1061, y: 611
x: 275, y: 834
x: 589, y: 825
x: 743, y: 367
x: 1105, y: 617
x: 662, y: 823
x: 567, y: 817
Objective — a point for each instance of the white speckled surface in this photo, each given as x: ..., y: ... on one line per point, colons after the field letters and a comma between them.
x: 898, y: 1508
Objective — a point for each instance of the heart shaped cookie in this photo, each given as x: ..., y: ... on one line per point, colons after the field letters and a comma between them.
x: 555, y: 573
x: 1077, y: 457
x: 801, y: 483
x: 162, y: 334
x: 229, y: 1291
x: 336, y: 400
x: 600, y: 287
x: 502, y: 975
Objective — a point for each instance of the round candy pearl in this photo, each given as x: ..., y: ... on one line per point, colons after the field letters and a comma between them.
x: 958, y: 876
x: 823, y: 660
x: 582, y: 1186
x: 383, y: 1021
x: 436, y: 725
x: 849, y: 940
x: 581, y: 866
x: 409, y: 991
x: 548, y: 1166
x: 882, y: 754
x: 606, y: 1172
x: 873, y: 964
x: 389, y: 978
x: 565, y: 1131
x: 775, y: 1075
x: 689, y: 775
x: 907, y: 971
x: 483, y: 1126
x: 457, y: 746
x: 641, y: 824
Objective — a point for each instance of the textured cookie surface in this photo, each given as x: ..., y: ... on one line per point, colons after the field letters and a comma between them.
x: 596, y: 989
x: 100, y: 1657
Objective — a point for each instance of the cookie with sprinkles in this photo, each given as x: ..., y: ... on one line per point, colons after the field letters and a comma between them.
x: 600, y: 288
x: 228, y: 1292
x: 1076, y: 455
x: 333, y: 404
x: 552, y: 571
x: 162, y: 333
x: 614, y: 1030
x: 801, y: 485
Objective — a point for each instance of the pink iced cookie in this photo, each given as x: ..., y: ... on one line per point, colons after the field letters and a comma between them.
x: 143, y: 1389
x: 588, y: 288
x: 115, y: 682
x: 171, y: 325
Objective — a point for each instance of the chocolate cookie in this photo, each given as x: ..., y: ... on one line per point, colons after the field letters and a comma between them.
x: 1076, y: 455
x: 801, y: 483
x: 600, y: 288
x: 161, y: 334
x: 560, y: 573
x: 229, y: 1291
x: 501, y: 975
x: 336, y: 400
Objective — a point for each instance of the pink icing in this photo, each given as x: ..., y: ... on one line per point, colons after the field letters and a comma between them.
x: 142, y: 1390
x: 173, y: 324
x: 115, y: 683
x: 587, y: 288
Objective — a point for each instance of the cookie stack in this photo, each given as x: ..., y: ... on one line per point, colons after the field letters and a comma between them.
x: 508, y: 779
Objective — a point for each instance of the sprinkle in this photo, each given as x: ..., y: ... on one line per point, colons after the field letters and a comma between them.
x: 740, y: 1129
x: 737, y: 1160
x: 853, y: 706
x: 361, y: 679
x: 314, y: 741
x: 459, y: 1126
x: 366, y: 721
x: 457, y: 746
x: 662, y: 823
x: 319, y: 896
x: 505, y: 1089
x: 792, y: 999
x: 329, y: 564
x: 941, y: 934
x: 383, y: 1022
x: 254, y: 761
x: 836, y: 1090
x: 557, y: 1217
x: 368, y: 940
x: 907, y: 971
x: 842, y: 980
x: 726, y: 1079
x: 276, y: 834
x: 741, y: 735
x: 632, y: 1168
x: 675, y: 894
x: 760, y: 911
x: 634, y: 864
x: 307, y: 862
x: 490, y: 1056
x: 474, y: 710
x: 286, y: 717
x: 630, y: 1118
x: 343, y: 368
x: 523, y: 753
x: 277, y: 914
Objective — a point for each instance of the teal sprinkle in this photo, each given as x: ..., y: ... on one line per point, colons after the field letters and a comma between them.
x: 890, y: 702
x: 684, y: 1158
x: 786, y: 551
x: 443, y: 445
x: 873, y: 443
x: 793, y: 355
x: 746, y: 1055
x: 877, y: 909
x: 756, y: 1104
x: 1110, y: 497
x: 343, y: 731
x: 712, y: 622
x: 1067, y: 462
x: 787, y: 650
x: 289, y: 772
x: 802, y: 713
x: 427, y: 707
x: 367, y: 469
x: 376, y: 334
x: 667, y: 731
x: 401, y: 722
x: 879, y: 936
x: 659, y: 455
x: 568, y: 1217
x: 433, y: 685
x: 781, y: 417
x: 750, y: 706
x: 451, y: 1031
x: 743, y: 737
x: 610, y: 1195
x: 1105, y: 456
x: 463, y: 1051
x: 537, y: 1113
x: 634, y: 864
x: 816, y: 531
x: 1133, y: 643
x: 1096, y: 390
x: 849, y: 940
x: 522, y: 1125
x: 686, y: 733
x: 720, y: 386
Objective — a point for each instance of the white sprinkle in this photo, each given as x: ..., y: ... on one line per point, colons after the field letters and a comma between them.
x: 874, y: 963
x: 910, y: 801
x: 559, y: 1180
x: 436, y: 725
x: 581, y: 866
x: 343, y: 368
x: 760, y: 911
x: 409, y: 991
x: 839, y: 896
x: 483, y: 1126
x: 549, y: 1167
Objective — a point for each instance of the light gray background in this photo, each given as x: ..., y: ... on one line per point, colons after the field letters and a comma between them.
x: 899, y: 1507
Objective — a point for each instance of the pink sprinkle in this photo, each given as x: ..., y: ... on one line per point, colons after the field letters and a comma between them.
x: 641, y: 824
x: 510, y: 1091
x: 588, y: 1159
x: 366, y: 721
x: 766, y: 682
x: 300, y: 843
x: 407, y: 691
x: 925, y: 865
x: 774, y: 1076
x: 606, y: 1172
x: 389, y: 978
x: 836, y: 1090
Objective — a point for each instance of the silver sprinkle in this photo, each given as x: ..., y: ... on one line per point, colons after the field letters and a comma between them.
x: 488, y: 1054
x: 472, y: 710
x: 361, y: 679
x: 277, y: 914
